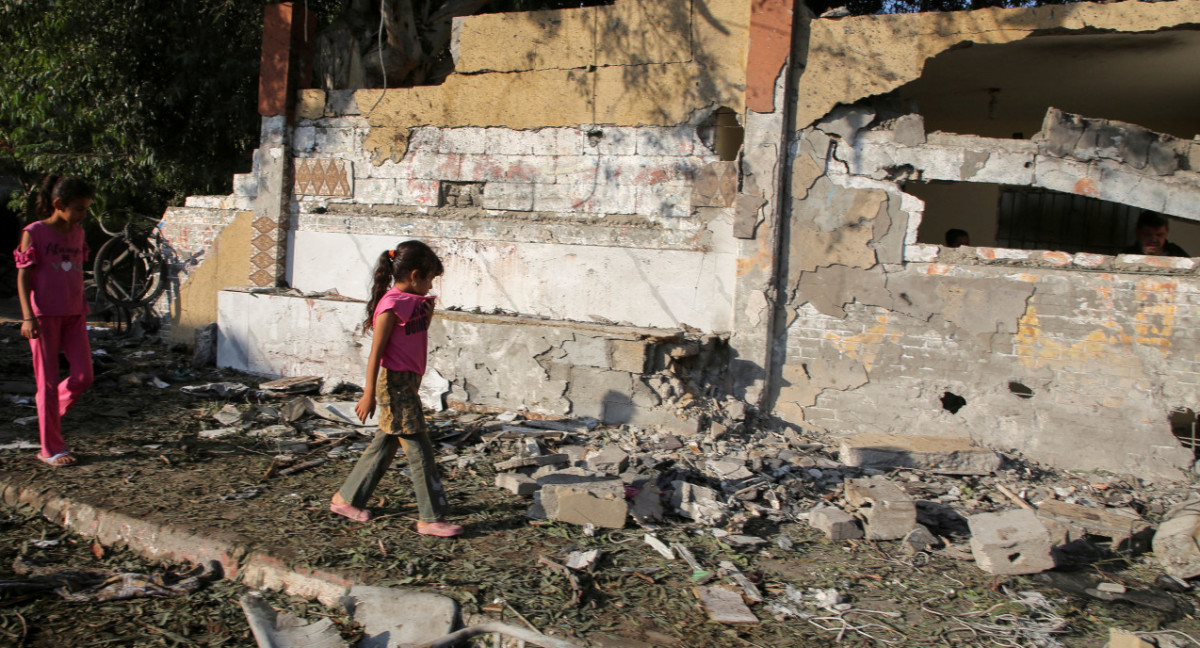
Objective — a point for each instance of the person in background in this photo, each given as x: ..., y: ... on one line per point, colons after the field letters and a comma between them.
x: 1151, y: 232
x: 957, y: 238
x: 50, y: 259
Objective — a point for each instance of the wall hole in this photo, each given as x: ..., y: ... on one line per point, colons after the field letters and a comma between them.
x: 952, y: 402
x: 722, y: 133
x: 594, y: 137
x: 1019, y: 389
x: 1186, y: 427
x: 1014, y: 557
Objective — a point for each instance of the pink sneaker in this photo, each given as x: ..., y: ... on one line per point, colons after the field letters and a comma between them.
x: 439, y: 529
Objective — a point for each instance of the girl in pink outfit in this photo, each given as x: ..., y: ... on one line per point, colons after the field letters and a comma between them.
x: 400, y: 311
x: 50, y: 262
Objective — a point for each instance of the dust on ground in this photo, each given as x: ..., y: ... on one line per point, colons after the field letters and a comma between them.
x: 137, y: 436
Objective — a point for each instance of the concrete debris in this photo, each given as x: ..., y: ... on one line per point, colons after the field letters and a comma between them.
x: 583, y: 560
x: 610, y: 460
x: 724, y: 605
x: 749, y: 589
x: 1069, y: 522
x: 230, y: 415
x: 217, y: 433
x: 602, y: 503
x: 272, y: 628
x: 947, y: 455
x: 392, y: 618
x: 889, y: 512
x: 836, y: 524
x: 547, y: 475
x: 920, y: 539
x: 659, y: 546
x: 1175, y: 544
x: 741, y: 541
x: 699, y: 503
x: 1118, y: 638
x: 217, y: 390
x: 540, y: 460
x: 647, y: 505
x: 1010, y: 542
x: 292, y: 385
x: 516, y: 483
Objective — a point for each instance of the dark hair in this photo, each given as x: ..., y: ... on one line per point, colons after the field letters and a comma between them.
x: 1152, y: 219
x: 952, y: 236
x: 397, y: 264
x: 60, y: 188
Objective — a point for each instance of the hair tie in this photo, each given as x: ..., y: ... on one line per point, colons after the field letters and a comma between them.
x: 392, y: 253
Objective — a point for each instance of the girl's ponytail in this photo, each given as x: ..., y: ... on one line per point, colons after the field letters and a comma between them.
x: 381, y: 280
x: 59, y: 188
x: 44, y: 205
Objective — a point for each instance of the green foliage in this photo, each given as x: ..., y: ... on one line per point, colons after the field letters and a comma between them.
x: 152, y: 101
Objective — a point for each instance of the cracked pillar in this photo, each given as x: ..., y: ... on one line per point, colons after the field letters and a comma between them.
x: 758, y: 205
x: 288, y: 35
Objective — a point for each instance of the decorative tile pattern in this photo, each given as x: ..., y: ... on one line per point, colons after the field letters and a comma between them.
x: 323, y: 177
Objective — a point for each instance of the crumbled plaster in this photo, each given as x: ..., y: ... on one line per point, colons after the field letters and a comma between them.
x: 849, y: 59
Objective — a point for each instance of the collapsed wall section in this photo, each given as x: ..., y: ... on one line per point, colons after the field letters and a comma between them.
x: 1075, y: 360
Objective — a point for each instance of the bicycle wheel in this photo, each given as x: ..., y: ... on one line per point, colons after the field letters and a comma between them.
x: 129, y: 275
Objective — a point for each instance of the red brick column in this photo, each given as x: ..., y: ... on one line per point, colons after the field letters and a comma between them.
x: 289, y: 32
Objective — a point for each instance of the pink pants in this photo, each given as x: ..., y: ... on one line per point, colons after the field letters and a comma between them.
x: 54, y: 398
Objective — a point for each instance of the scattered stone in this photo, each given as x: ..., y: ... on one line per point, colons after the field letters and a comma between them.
x: 528, y: 448
x: 749, y: 589
x: 229, y: 415
x: 920, y: 539
x: 659, y: 546
x: 1111, y: 588
x: 541, y: 460
x: 836, y: 524
x: 744, y: 541
x: 610, y: 460
x: 724, y: 605
x: 602, y: 503
x: 204, y: 339
x: 726, y: 470
x: 583, y: 560
x: 216, y: 390
x: 293, y: 385
x: 889, y: 512
x: 698, y: 503
x: 1069, y: 522
x: 516, y: 483
x: 218, y: 433
x: 565, y: 476
x: 946, y: 455
x: 647, y: 505
x: 1175, y: 544
x: 1010, y: 542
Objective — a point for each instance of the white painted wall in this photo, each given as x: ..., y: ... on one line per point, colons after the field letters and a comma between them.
x: 645, y: 287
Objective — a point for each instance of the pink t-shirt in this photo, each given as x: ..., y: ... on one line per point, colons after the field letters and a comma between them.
x: 57, y: 261
x: 409, y: 343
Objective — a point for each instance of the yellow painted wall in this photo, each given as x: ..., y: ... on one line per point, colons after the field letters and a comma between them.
x: 226, y: 263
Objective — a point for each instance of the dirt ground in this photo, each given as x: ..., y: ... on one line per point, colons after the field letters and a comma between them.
x: 141, y: 455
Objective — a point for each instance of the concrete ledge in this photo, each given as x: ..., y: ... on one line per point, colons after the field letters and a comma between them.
x: 256, y: 569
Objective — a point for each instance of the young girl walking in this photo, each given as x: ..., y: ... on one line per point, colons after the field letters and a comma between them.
x: 50, y: 262
x: 400, y: 310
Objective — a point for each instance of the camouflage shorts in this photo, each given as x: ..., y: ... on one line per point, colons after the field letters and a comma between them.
x: 400, y: 402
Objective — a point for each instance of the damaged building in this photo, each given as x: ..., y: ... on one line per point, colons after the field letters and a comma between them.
x: 651, y: 209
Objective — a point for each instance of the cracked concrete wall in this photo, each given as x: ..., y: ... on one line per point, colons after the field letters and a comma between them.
x: 881, y: 330
x: 617, y: 374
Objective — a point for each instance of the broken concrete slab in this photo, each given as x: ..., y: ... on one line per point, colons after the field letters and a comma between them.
x: 272, y: 628
x: 547, y: 475
x: 583, y: 560
x: 1010, y: 542
x: 724, y: 605
x: 540, y: 460
x: 600, y: 503
x: 647, y: 505
x: 292, y: 385
x: 392, y: 617
x: 946, y: 455
x: 698, y: 503
x: 1175, y: 543
x: 889, y: 512
x: 1069, y: 522
x: 516, y: 483
x: 610, y: 460
x: 836, y: 524
x: 727, y: 470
